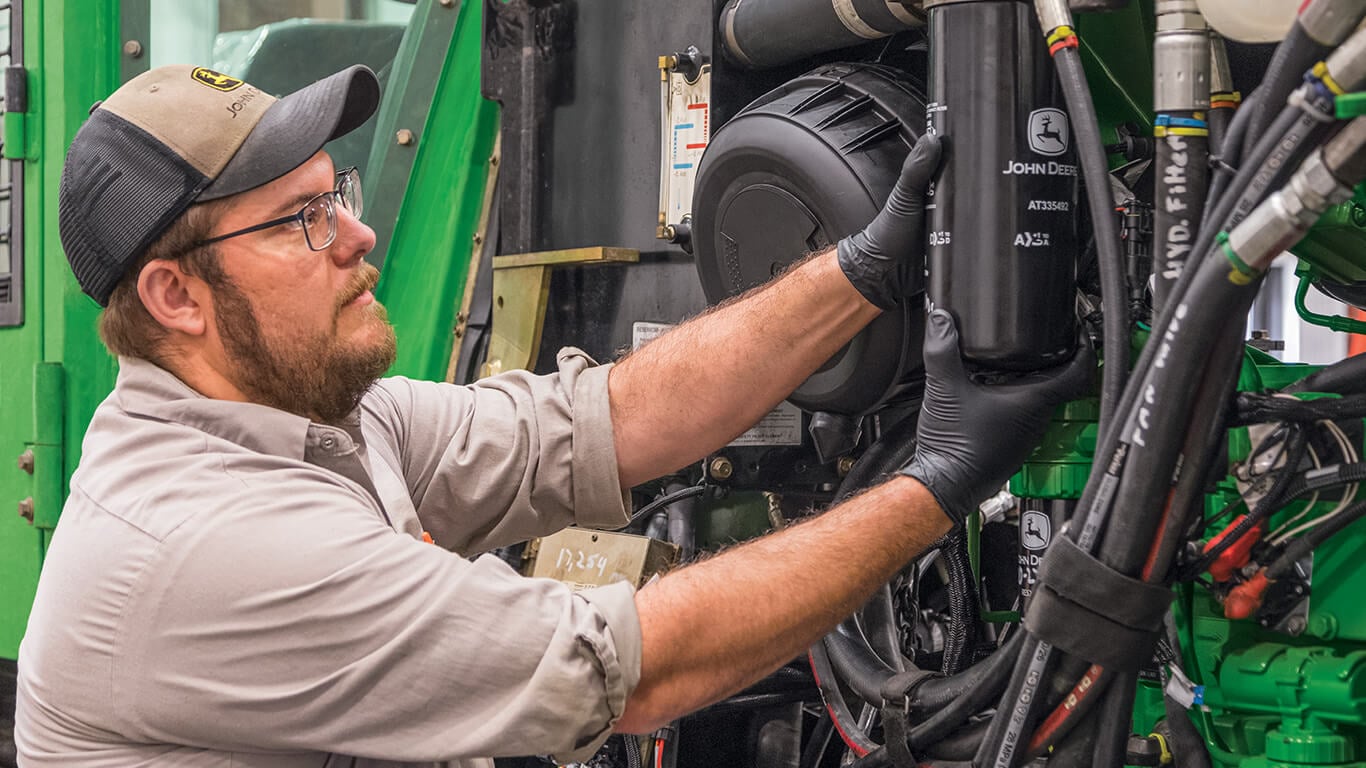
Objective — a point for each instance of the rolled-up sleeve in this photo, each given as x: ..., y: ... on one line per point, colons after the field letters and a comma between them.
x: 307, y: 624
x: 510, y: 457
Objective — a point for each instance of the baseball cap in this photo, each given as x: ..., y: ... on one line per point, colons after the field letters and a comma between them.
x: 179, y: 135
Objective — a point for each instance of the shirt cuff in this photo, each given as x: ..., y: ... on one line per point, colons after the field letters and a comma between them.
x: 617, y: 650
x: 599, y: 500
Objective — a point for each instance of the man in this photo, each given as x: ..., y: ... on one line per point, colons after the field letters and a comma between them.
x: 239, y: 577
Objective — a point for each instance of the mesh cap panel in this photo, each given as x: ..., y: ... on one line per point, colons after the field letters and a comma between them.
x: 120, y: 189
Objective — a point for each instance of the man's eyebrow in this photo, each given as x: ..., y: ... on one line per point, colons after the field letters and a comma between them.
x: 293, y: 204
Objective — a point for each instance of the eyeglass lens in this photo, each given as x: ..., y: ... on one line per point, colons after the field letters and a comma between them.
x: 320, y: 215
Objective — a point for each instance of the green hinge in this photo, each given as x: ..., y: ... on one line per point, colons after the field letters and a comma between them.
x: 15, y: 136
x: 49, y: 398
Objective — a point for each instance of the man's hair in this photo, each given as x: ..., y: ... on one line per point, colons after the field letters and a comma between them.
x: 126, y: 327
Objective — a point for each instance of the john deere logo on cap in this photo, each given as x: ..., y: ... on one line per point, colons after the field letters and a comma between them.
x: 215, y: 80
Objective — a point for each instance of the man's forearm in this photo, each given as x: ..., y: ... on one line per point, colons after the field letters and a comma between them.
x: 715, y: 627
x: 697, y: 387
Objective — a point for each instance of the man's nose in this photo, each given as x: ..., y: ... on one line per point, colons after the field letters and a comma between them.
x: 354, y: 238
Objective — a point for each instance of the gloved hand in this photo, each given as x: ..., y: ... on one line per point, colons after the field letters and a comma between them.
x: 972, y: 437
x: 885, y: 259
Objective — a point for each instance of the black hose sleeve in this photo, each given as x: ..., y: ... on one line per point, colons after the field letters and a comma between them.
x: 1325, y: 478
x: 961, y: 639
x: 1345, y: 377
x: 1261, y: 409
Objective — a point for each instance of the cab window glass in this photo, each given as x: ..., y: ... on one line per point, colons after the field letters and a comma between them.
x: 283, y: 45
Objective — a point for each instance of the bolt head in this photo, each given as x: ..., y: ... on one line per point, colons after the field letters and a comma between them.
x: 404, y: 137
x: 133, y: 48
x: 25, y: 461
x: 720, y: 468
x: 26, y: 509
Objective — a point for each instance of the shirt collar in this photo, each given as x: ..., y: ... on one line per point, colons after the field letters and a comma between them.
x: 146, y: 389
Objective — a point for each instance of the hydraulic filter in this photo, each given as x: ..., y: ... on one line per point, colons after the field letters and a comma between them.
x: 1002, y: 226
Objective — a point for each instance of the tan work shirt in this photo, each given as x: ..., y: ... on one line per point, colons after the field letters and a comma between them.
x: 232, y: 585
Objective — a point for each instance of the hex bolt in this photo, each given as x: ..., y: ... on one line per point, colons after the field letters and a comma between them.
x: 1295, y: 625
x: 845, y: 464
x: 447, y: 3
x: 26, y: 509
x: 133, y: 48
x: 404, y: 137
x: 720, y: 468
x: 26, y: 461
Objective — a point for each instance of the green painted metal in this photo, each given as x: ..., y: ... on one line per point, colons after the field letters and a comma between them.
x: 71, y: 62
x: 428, y: 259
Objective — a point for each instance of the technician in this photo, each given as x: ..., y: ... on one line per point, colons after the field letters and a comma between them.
x: 240, y: 576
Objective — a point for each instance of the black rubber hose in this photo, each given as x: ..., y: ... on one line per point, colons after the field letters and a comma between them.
x: 1114, y: 720
x: 1200, y: 451
x: 1294, y: 55
x: 881, y: 629
x: 938, y: 693
x: 1317, y: 480
x: 855, y: 663
x: 753, y: 701
x: 1219, y: 120
x: 1187, y: 745
x: 1291, y: 137
x: 1003, y: 746
x: 1181, y: 175
x: 844, y: 720
x: 1229, y: 155
x: 961, y: 745
x: 1110, y: 253
x: 996, y: 673
x: 1285, y: 560
x: 1077, y: 750
x: 1345, y: 377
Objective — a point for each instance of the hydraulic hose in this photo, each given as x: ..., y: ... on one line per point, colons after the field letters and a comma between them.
x: 1224, y: 99
x: 1095, y: 172
x: 1319, y: 28
x: 842, y: 719
x: 1113, y: 720
x: 1181, y: 96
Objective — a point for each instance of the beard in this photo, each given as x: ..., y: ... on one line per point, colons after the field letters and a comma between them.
x: 314, y: 375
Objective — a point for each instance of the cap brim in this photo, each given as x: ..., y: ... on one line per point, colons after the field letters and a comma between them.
x: 296, y: 127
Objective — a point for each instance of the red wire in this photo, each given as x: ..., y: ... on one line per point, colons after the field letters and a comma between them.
x: 1084, y: 687
x: 659, y: 753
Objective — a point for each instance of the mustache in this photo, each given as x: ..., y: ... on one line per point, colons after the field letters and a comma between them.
x: 365, y: 279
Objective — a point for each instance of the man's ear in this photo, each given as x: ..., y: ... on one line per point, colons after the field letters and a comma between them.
x: 173, y: 297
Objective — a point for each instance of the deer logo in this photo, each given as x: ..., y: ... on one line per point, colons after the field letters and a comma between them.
x: 1036, y: 530
x: 215, y: 80
x: 1048, y: 131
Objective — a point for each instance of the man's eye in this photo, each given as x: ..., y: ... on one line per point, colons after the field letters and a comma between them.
x: 312, y: 215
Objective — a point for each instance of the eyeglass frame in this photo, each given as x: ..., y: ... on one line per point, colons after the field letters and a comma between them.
x: 335, y: 194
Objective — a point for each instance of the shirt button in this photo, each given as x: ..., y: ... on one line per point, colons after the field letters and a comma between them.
x: 329, y: 442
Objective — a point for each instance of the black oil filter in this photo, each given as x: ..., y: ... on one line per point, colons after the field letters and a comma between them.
x: 1002, y: 226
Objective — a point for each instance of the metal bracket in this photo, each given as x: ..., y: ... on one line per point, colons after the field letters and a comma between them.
x: 521, y: 290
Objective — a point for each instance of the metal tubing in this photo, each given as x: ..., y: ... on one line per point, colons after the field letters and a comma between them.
x: 769, y: 33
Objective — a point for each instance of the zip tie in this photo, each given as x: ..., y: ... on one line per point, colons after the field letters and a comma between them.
x: 1062, y: 37
x: 1242, y: 274
x: 1350, y: 105
x: 1320, y: 108
x: 1165, y: 757
x: 1166, y: 125
x: 1321, y: 72
x: 1229, y: 100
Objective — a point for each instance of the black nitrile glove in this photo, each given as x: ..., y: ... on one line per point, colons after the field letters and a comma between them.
x: 885, y: 260
x: 972, y: 437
